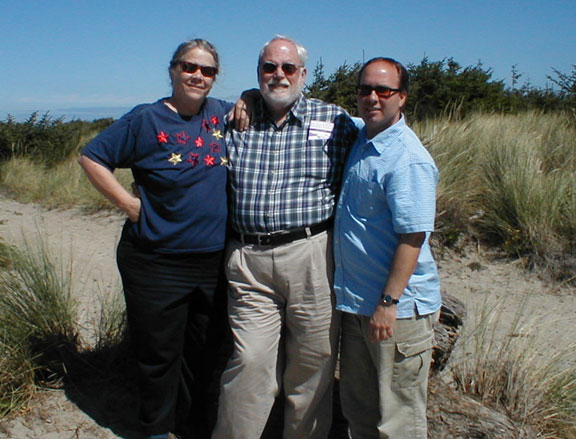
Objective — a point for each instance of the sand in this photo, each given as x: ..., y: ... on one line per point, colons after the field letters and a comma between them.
x: 480, y: 281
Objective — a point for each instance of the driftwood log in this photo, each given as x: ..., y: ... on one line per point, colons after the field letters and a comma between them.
x: 452, y: 414
x: 452, y: 316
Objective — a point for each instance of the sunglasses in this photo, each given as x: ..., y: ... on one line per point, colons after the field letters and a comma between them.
x: 288, y: 68
x: 381, y: 90
x: 190, y: 67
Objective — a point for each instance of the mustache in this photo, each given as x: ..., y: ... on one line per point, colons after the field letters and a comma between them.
x: 281, y: 82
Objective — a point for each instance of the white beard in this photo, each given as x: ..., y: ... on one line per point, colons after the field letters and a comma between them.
x: 280, y: 97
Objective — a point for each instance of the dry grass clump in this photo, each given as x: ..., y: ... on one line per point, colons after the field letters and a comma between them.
x: 37, y: 309
x: 16, y: 376
x: 110, y: 324
x: 39, y: 330
x: 509, y: 180
x: 61, y: 186
x: 506, y: 180
x: 504, y: 367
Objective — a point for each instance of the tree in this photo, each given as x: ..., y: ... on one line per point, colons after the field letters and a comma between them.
x: 445, y: 88
x: 567, y: 83
x: 439, y: 87
x: 339, y: 88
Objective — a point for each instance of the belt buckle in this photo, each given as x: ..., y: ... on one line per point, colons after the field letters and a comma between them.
x: 264, y: 239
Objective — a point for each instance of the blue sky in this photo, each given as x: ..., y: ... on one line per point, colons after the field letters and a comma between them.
x: 64, y: 55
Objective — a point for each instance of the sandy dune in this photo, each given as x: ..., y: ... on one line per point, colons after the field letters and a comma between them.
x: 89, y: 241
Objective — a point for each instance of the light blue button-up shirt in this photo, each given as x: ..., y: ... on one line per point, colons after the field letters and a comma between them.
x: 389, y: 189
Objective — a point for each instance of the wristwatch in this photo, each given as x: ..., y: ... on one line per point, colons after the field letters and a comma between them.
x: 388, y: 300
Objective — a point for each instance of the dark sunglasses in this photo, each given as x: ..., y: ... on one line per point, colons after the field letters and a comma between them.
x: 288, y: 68
x: 381, y: 90
x: 190, y: 67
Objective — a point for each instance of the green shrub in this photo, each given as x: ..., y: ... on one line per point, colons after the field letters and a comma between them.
x: 45, y: 140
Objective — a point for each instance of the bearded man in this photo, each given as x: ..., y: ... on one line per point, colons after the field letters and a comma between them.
x: 284, y: 174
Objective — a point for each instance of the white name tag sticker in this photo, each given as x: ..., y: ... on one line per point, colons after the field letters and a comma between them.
x: 320, y: 130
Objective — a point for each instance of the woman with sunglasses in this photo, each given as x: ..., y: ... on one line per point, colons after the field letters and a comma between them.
x: 171, y: 249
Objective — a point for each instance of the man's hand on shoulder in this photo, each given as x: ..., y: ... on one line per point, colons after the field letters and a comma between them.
x: 244, y: 110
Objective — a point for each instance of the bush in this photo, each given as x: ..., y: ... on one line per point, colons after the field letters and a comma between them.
x: 46, y: 140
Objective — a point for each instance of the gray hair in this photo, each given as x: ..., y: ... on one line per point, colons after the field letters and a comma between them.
x: 199, y: 43
x: 302, y: 52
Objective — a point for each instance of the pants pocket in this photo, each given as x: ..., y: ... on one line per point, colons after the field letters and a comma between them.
x: 412, y: 361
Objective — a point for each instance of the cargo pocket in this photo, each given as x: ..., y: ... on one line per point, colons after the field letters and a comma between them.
x: 412, y: 361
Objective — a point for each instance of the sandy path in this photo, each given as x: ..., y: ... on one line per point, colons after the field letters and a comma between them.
x: 90, y: 242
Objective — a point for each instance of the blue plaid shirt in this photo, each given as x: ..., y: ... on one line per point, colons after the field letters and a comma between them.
x: 288, y: 177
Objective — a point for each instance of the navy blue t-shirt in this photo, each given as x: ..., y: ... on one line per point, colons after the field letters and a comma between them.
x: 179, y: 167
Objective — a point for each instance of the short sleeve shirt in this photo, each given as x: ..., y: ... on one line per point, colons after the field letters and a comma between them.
x: 179, y: 167
x: 388, y: 190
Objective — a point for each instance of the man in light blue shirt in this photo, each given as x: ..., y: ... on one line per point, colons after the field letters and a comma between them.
x: 386, y: 281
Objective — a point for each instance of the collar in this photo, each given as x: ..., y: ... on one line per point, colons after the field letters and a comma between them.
x: 385, y: 138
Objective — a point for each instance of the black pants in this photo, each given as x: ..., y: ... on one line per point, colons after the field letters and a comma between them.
x: 176, y: 310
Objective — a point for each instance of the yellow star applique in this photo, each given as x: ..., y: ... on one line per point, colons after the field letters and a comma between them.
x: 223, y: 161
x: 217, y: 134
x: 175, y: 159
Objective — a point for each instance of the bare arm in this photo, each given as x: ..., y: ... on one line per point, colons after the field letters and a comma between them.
x: 110, y: 187
x: 383, y: 320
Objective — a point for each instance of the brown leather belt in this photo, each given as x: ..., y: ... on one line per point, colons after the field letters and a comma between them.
x: 282, y: 236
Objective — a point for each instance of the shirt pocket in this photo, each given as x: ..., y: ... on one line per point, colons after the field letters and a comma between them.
x: 367, y: 199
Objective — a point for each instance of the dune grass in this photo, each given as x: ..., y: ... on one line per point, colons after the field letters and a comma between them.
x: 505, y: 180
x: 505, y: 364
x: 37, y: 308
x: 16, y: 376
x: 508, y: 180
x: 58, y: 187
x: 39, y: 325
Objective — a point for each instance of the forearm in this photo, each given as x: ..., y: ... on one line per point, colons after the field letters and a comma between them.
x: 107, y: 184
x: 404, y: 263
x: 383, y: 321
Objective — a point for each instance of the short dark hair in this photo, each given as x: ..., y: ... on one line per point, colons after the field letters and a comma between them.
x: 404, y: 76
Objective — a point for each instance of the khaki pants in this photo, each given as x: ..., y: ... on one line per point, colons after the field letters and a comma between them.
x: 281, y: 311
x: 383, y: 385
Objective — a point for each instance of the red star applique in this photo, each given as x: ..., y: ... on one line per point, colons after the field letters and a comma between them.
x: 206, y: 125
x: 199, y: 142
x: 182, y: 137
x: 209, y: 160
x: 192, y: 158
x: 214, y: 120
x: 215, y: 147
x: 162, y: 137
